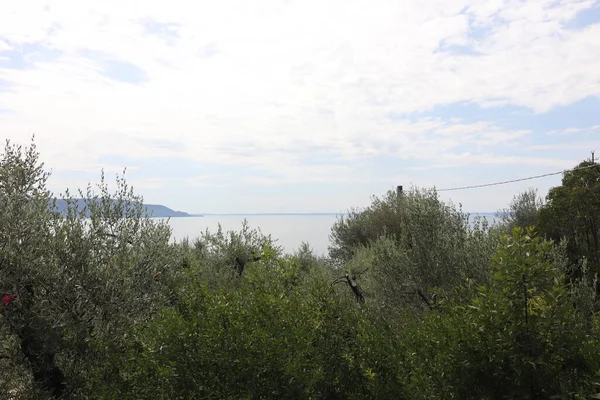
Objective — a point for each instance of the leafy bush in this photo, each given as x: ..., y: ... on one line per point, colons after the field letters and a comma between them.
x: 401, y: 248
x: 522, y: 211
x: 572, y: 212
x: 518, y: 337
x: 77, y: 282
x: 280, y: 334
x: 96, y: 303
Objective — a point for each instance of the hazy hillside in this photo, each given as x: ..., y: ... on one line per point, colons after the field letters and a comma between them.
x: 154, y: 210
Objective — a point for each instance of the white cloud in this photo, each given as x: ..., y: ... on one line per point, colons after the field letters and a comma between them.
x: 278, y: 77
x: 481, y: 159
x: 588, y: 146
x: 571, y: 131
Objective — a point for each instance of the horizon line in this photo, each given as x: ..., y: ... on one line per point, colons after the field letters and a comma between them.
x: 308, y: 213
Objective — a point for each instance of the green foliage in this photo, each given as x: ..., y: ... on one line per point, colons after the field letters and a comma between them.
x: 400, y: 248
x: 96, y: 303
x: 221, y: 256
x: 522, y: 211
x: 78, y: 282
x: 280, y: 334
x: 572, y: 211
x: 518, y: 337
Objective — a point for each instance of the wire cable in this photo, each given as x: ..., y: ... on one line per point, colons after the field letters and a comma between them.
x: 516, y: 180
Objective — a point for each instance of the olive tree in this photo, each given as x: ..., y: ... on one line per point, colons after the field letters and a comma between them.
x: 400, y: 248
x: 76, y: 279
x: 522, y: 211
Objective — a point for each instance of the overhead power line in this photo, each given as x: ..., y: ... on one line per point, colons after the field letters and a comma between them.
x: 516, y: 180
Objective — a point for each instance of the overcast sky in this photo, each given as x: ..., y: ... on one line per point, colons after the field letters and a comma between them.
x: 301, y: 105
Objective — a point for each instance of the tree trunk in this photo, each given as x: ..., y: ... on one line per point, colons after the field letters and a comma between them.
x: 46, y: 374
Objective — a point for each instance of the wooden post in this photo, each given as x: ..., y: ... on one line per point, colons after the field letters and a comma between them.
x: 399, y: 190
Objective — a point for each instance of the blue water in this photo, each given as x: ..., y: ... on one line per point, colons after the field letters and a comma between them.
x: 290, y: 230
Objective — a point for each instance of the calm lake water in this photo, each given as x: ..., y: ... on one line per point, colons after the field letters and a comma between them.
x: 289, y: 231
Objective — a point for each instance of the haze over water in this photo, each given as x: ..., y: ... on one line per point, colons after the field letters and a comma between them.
x: 289, y: 230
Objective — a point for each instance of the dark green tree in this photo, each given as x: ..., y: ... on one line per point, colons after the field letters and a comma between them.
x: 518, y: 337
x: 572, y: 212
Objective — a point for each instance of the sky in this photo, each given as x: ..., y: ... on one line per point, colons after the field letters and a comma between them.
x: 302, y: 105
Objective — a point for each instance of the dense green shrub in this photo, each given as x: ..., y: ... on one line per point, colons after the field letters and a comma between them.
x: 572, y: 212
x: 518, y: 337
x: 219, y: 256
x: 416, y: 301
x: 280, y: 333
x: 522, y: 211
x: 402, y: 248
x: 78, y: 280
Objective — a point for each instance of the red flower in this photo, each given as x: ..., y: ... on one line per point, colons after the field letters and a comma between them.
x: 8, y: 299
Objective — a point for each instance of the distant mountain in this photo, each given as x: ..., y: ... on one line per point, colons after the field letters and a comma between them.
x: 160, y: 211
x: 153, y: 210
